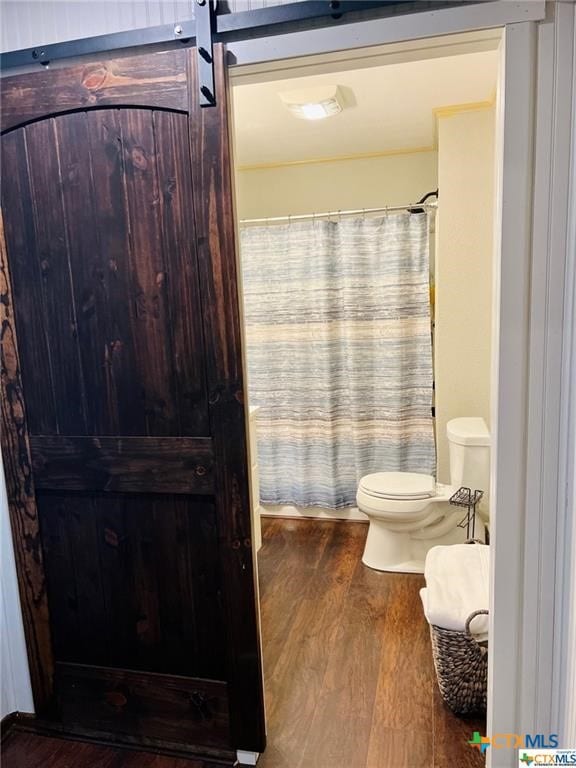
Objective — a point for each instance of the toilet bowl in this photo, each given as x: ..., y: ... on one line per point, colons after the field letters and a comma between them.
x: 410, y: 512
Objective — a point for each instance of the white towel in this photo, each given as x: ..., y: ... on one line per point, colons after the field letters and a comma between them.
x: 457, y: 584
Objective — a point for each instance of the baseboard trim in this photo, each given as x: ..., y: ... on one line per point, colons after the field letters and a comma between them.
x: 13, y: 720
x: 349, y: 514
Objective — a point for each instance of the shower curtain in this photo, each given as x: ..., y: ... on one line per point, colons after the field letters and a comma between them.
x: 339, y: 354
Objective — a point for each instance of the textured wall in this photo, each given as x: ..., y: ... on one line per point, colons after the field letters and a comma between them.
x: 27, y: 23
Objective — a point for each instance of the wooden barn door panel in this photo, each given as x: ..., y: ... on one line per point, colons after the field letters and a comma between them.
x: 110, y: 214
x: 122, y: 406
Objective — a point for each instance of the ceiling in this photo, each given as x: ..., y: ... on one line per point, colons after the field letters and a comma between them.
x: 388, y: 108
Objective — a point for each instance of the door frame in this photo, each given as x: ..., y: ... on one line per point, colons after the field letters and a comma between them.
x: 531, y: 256
x: 531, y: 387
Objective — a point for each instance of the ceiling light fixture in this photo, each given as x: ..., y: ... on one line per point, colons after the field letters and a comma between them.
x: 314, y: 103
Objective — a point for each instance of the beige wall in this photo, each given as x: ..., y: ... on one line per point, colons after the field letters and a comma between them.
x: 338, y: 185
x: 463, y: 271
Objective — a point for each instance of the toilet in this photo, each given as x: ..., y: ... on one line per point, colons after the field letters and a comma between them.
x: 410, y: 512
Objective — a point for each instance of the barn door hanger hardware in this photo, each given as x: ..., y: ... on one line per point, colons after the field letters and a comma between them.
x: 205, y: 27
x: 211, y: 26
x: 208, y: 26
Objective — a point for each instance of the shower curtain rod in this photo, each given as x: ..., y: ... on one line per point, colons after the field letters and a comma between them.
x: 329, y: 214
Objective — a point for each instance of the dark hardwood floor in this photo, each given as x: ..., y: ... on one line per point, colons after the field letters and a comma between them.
x: 30, y: 750
x: 349, y: 675
x: 348, y: 666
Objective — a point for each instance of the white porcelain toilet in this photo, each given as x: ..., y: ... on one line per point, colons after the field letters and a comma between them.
x: 409, y: 512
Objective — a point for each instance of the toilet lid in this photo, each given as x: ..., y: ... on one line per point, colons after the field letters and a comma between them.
x: 399, y: 485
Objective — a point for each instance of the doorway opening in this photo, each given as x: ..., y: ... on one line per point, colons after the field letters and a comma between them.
x: 368, y: 327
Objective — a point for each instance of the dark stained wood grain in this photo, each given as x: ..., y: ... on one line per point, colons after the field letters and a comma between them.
x: 304, y: 635
x: 403, y: 718
x: 150, y: 316
x: 451, y: 733
x: 290, y: 541
x: 21, y: 497
x: 57, y: 311
x: 352, y: 671
x: 309, y: 568
x: 114, y: 296
x: 121, y: 237
x: 218, y: 269
x: 144, y: 464
x: 349, y: 674
x: 109, y: 286
x: 26, y: 747
x: 397, y: 671
x: 126, y: 702
x: 90, y: 273
x: 149, y: 564
x: 176, y: 206
x: 154, y: 80
x: 26, y: 278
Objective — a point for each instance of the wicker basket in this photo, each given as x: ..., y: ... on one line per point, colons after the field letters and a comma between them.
x: 461, y: 664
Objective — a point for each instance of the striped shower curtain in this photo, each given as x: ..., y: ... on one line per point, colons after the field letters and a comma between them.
x: 339, y: 354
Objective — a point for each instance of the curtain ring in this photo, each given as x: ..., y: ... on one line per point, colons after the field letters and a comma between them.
x: 289, y: 219
x: 363, y: 214
x: 339, y: 216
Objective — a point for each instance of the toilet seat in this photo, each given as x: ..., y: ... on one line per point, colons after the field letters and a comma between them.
x: 409, y: 512
x: 398, y: 486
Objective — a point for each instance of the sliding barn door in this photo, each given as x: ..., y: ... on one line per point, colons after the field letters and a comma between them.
x: 123, y: 427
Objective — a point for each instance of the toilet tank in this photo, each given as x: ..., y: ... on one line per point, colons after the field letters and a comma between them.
x: 469, y: 447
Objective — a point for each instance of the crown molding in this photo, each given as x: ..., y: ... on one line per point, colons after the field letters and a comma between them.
x: 335, y: 158
x: 457, y: 109
x: 451, y: 110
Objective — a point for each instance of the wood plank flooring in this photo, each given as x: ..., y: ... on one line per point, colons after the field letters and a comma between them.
x: 348, y: 666
x: 30, y: 750
x: 349, y: 675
